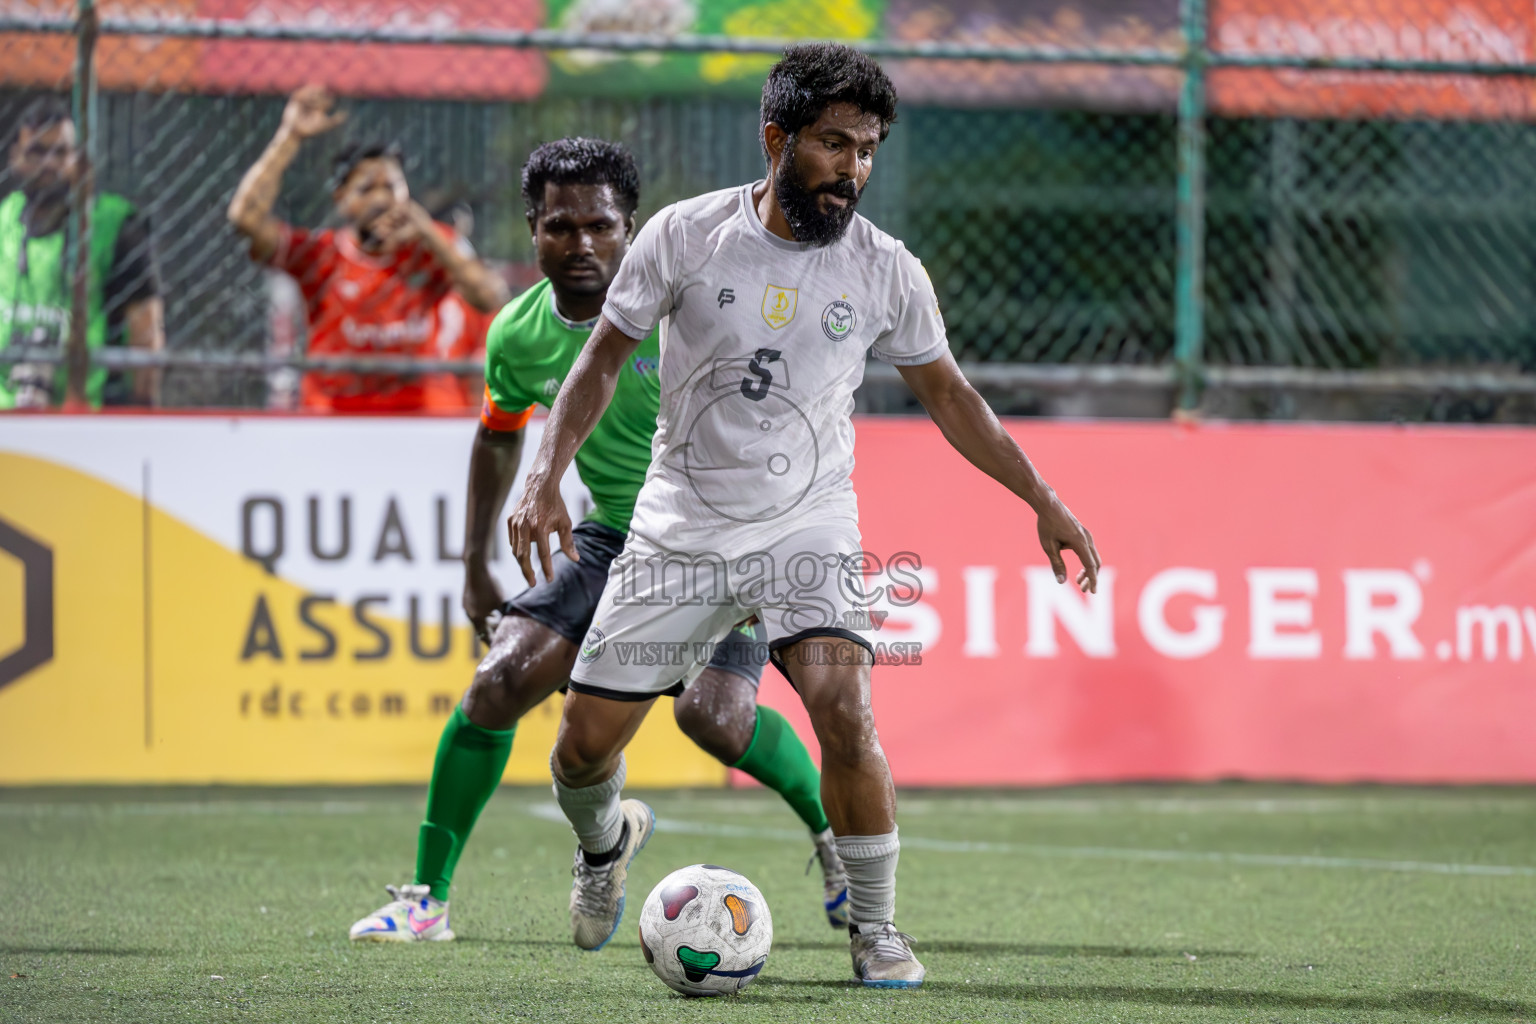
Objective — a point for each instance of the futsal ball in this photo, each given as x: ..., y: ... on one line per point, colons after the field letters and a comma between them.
x: 705, y: 930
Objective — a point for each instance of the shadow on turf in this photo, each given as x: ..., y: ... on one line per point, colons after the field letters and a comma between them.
x: 1440, y: 1001
x: 1034, y: 949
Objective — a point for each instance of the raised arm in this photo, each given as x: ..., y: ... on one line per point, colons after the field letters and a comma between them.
x: 308, y: 114
x: 588, y: 390
x: 493, y: 462
x: 969, y: 425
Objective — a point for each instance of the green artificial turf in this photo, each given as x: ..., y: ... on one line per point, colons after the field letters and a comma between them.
x: 1151, y: 903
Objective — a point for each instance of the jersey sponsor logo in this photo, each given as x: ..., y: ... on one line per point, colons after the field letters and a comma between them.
x: 25, y: 312
x: 413, y: 330
x: 837, y: 320
x: 552, y: 386
x: 779, y: 305
x: 726, y: 297
x: 593, y: 646
x: 645, y: 365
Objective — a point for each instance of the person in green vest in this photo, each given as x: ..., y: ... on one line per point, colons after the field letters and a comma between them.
x: 36, y: 284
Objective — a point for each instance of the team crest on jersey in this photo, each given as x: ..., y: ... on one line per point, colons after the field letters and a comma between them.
x: 593, y: 646
x: 837, y: 320
x: 779, y: 305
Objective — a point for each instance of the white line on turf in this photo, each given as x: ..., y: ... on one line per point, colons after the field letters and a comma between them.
x: 552, y: 812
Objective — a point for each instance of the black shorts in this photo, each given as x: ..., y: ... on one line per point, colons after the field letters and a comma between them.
x: 567, y: 603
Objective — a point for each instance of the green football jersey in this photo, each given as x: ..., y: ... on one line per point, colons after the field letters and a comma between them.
x: 530, y: 349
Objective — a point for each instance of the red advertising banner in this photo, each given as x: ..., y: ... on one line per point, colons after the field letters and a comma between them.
x: 1289, y: 602
x: 417, y: 71
x: 153, y: 63
x: 1105, y: 25
x: 1476, y: 31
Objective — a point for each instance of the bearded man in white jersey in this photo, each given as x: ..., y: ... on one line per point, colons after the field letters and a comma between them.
x: 769, y: 298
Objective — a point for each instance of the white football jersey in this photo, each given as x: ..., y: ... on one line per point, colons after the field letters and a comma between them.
x: 763, y: 341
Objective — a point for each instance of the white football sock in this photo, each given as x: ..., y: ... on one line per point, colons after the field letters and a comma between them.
x: 593, y: 811
x: 870, y: 862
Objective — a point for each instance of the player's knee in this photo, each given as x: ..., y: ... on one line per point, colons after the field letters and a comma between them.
x: 723, y: 728
x: 581, y: 761
x: 844, y: 722
x: 496, y: 697
x: 690, y: 715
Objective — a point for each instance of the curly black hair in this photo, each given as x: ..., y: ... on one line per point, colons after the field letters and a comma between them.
x: 813, y: 76
x: 581, y: 161
x: 355, y: 152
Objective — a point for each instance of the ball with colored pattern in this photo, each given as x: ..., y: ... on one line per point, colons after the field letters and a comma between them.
x: 706, y: 931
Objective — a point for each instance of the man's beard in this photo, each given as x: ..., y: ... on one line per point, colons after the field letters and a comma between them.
x: 801, y: 206
x: 42, y: 192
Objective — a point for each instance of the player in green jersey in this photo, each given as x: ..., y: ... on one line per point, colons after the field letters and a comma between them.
x: 581, y: 196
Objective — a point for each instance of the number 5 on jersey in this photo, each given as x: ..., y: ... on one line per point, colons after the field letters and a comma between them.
x: 757, y: 389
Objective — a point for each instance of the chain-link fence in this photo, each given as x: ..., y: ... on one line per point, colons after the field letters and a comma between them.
x: 1251, y: 206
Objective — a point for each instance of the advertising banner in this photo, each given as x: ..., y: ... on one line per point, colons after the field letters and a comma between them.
x: 1108, y: 25
x: 738, y: 74
x: 160, y: 64
x: 1476, y: 31
x: 1489, y: 31
x: 276, y: 600
x: 1286, y: 602
x: 201, y: 599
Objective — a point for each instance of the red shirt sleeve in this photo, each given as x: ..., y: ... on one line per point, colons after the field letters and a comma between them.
x: 309, y: 257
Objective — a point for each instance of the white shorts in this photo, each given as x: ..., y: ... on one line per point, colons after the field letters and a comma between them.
x: 662, y: 612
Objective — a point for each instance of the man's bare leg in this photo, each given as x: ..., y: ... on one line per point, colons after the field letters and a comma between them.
x: 588, y: 768
x: 526, y: 663
x: 720, y: 713
x: 832, y: 675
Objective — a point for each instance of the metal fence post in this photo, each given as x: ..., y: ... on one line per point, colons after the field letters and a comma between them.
x: 83, y: 102
x: 1189, y: 284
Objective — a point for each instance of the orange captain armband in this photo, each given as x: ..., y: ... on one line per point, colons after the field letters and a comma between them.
x: 494, y: 417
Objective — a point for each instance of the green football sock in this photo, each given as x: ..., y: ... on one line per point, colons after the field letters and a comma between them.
x: 467, y: 771
x: 778, y: 760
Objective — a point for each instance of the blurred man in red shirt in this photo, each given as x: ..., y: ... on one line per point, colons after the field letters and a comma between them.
x: 373, y: 287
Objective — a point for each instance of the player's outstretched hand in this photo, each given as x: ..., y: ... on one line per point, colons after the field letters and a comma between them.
x: 309, y: 113
x: 538, y: 513
x: 482, y: 597
x: 1059, y: 531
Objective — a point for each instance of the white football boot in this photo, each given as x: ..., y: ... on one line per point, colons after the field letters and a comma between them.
x: 834, y: 880
x: 411, y: 916
x: 882, y: 958
x: 597, y: 894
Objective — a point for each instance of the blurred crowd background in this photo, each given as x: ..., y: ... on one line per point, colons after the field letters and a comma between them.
x: 1243, y: 208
